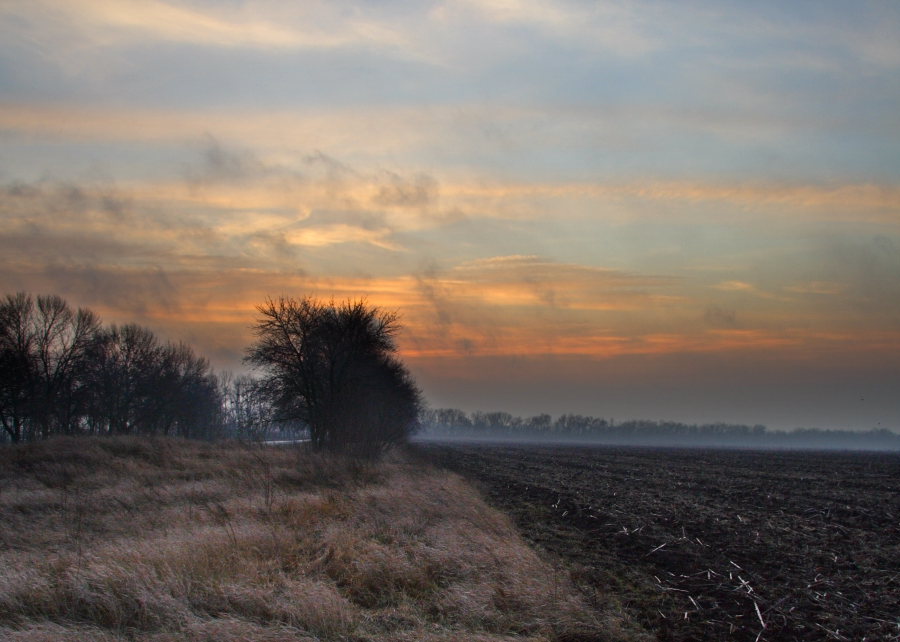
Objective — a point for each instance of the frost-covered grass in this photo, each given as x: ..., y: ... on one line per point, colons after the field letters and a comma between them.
x: 139, y: 539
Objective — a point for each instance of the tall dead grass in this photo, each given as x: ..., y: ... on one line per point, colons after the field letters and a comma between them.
x: 159, y: 540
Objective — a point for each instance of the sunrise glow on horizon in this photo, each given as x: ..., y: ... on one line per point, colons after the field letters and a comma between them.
x: 685, y: 211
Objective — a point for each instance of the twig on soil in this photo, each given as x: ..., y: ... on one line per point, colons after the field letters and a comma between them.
x: 759, y: 614
x: 656, y: 549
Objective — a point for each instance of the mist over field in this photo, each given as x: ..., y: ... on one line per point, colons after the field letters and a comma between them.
x: 447, y: 425
x: 812, y: 440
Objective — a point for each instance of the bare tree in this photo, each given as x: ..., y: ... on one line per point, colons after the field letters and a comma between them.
x: 332, y: 366
x: 122, y: 378
x: 17, y: 368
x: 45, y: 347
x: 249, y: 413
x: 62, y: 373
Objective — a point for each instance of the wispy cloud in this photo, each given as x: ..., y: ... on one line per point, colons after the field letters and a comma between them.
x: 536, y: 281
x: 161, y: 20
x: 607, y: 26
x: 125, y: 23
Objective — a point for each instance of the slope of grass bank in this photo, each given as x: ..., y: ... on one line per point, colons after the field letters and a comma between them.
x: 115, y: 539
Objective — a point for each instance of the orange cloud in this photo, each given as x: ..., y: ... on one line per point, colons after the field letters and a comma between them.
x: 214, y: 309
x: 735, y: 286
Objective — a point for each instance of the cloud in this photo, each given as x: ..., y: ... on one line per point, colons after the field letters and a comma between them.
x: 35, y: 245
x: 62, y: 198
x: 868, y: 271
x: 355, y: 131
x: 718, y: 317
x: 436, y: 296
x: 136, y: 292
x: 273, y: 244
x: 314, y: 182
x: 165, y: 21
x: 816, y: 288
x: 221, y: 164
x: 536, y: 281
x: 871, y: 38
x: 60, y: 224
x: 397, y: 191
x: 82, y: 46
x: 869, y: 202
x: 325, y: 235
x: 606, y: 26
x: 525, y: 305
x: 232, y: 207
x: 735, y: 286
x: 447, y: 143
x: 135, y: 259
x: 126, y: 22
x: 325, y: 227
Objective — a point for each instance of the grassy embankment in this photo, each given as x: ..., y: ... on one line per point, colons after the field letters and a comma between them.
x: 126, y: 539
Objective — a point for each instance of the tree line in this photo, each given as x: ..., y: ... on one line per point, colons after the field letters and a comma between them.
x: 327, y: 371
x: 451, y: 423
x: 62, y: 372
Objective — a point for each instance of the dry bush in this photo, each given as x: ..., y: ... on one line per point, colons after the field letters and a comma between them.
x: 157, y: 540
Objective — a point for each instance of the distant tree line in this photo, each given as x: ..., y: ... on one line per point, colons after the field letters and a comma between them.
x: 451, y: 423
x: 324, y: 371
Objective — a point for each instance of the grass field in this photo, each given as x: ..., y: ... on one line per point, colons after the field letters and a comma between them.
x: 128, y: 539
x: 713, y: 544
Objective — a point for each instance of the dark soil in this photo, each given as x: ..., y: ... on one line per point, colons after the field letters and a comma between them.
x: 712, y: 544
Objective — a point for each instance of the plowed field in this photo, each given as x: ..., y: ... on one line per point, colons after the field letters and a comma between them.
x: 712, y: 544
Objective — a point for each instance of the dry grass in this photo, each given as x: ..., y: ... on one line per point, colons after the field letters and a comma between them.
x: 164, y: 540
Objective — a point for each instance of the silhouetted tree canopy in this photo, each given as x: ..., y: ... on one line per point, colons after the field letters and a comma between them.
x: 62, y: 372
x: 333, y: 367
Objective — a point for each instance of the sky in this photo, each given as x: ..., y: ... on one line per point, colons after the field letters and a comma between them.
x: 635, y: 210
